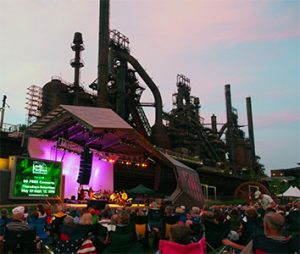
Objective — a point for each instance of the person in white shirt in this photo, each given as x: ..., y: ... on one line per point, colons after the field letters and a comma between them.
x: 264, y: 200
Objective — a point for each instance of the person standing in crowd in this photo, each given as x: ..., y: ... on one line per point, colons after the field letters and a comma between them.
x: 264, y: 200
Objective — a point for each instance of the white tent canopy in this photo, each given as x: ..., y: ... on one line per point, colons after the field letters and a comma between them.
x: 291, y: 192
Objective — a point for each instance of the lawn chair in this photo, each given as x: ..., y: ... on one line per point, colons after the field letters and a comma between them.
x: 142, y: 229
x: 20, y: 241
x: 168, y: 221
x: 168, y: 247
x: 214, y: 234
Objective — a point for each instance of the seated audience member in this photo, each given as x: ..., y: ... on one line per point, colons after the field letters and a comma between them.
x: 123, y: 239
x: 194, y: 216
x: 180, y: 234
x: 5, y: 216
x: 272, y: 241
x: 235, y: 224
x: 72, y: 238
x: 194, y: 223
x: 41, y: 211
x: 69, y: 230
x: 170, y: 217
x: 293, y: 220
x: 155, y: 215
x: 56, y: 223
x: 216, y: 229
x: 38, y: 224
x: 4, y: 220
x: 106, y: 222
x: 181, y: 213
x: 180, y: 242
x: 107, y: 210
x: 18, y: 222
x: 94, y: 214
x: 85, y: 225
x: 252, y: 223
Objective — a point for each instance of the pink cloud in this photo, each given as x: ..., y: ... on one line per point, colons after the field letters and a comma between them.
x: 204, y: 24
x: 277, y: 118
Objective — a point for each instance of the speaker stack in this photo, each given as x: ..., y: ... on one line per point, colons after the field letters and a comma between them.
x: 85, y: 167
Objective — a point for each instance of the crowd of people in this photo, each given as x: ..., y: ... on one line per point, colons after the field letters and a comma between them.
x: 160, y: 228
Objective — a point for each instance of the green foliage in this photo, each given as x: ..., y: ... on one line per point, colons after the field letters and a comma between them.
x: 278, y: 186
x: 226, y: 202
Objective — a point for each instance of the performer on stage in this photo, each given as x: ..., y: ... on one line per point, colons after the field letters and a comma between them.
x: 124, y: 197
x: 91, y: 193
x: 80, y: 193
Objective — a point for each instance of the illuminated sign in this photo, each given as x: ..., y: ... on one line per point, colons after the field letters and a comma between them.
x: 33, y: 178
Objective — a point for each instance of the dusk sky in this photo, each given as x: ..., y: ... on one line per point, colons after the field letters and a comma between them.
x: 252, y: 45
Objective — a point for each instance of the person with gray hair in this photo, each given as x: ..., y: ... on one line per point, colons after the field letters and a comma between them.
x: 274, y: 224
x: 272, y: 241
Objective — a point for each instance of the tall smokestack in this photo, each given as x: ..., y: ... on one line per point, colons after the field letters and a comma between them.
x: 76, y: 63
x: 214, y: 124
x: 250, y: 129
x: 103, y: 53
x: 229, y: 136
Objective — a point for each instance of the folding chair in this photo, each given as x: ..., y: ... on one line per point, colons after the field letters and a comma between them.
x: 100, y: 237
x: 123, y: 240
x: 168, y: 221
x: 214, y: 234
x: 264, y: 245
x: 197, y: 229
x: 168, y: 247
x: 142, y: 230
x: 20, y: 241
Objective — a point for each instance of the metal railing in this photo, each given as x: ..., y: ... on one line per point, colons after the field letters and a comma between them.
x: 12, y: 127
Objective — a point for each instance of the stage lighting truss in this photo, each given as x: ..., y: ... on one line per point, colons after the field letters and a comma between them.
x: 69, y: 146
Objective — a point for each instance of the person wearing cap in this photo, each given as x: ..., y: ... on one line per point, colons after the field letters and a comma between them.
x: 18, y: 222
x: 264, y: 200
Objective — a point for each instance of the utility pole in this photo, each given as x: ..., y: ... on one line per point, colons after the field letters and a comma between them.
x: 2, y: 111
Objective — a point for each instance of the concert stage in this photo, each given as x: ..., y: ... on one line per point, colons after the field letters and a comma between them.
x: 100, y: 204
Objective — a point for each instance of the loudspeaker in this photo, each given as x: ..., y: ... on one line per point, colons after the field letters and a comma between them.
x: 5, y: 181
x: 85, y: 167
x: 97, y: 204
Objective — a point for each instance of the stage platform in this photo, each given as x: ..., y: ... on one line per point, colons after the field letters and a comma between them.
x: 98, y: 205
x: 75, y: 206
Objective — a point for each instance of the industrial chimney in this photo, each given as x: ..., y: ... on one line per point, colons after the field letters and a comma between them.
x: 103, y: 53
x: 250, y: 130
x: 230, y: 128
x: 76, y: 63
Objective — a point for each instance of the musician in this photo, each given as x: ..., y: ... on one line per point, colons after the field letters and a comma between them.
x: 91, y: 193
x: 124, y: 197
x: 80, y: 192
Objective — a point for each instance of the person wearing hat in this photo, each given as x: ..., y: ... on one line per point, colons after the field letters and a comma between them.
x: 264, y: 200
x: 18, y: 222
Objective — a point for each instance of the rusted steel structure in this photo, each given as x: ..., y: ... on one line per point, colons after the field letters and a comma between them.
x: 181, y: 132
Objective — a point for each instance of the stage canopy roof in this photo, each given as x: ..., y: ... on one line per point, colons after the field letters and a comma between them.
x: 98, y: 128
x: 102, y: 129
